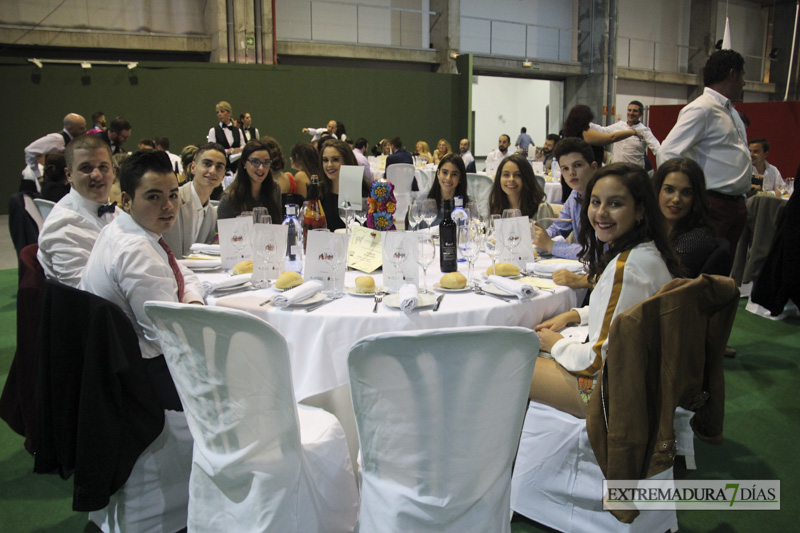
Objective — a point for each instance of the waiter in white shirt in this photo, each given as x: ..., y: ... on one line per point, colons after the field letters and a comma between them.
x: 226, y: 134
x: 74, y: 126
x: 496, y: 156
x: 633, y: 149
x: 317, y: 133
x: 71, y: 228
x: 710, y: 131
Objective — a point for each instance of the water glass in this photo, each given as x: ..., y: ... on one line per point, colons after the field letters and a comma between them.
x: 426, y: 253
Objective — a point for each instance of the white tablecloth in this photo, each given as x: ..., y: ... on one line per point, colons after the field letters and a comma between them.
x: 552, y: 189
x: 319, y: 341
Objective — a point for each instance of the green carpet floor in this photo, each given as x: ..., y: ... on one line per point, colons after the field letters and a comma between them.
x: 761, y: 424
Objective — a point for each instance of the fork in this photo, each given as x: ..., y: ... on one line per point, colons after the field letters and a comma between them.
x: 478, y: 290
x: 378, y: 299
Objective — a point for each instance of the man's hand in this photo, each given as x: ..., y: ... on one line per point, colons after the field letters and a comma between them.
x: 543, y: 240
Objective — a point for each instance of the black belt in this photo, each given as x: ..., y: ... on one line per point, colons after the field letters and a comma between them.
x: 726, y: 197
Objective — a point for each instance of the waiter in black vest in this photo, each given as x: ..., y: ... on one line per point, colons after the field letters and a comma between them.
x: 74, y: 126
x: 225, y: 133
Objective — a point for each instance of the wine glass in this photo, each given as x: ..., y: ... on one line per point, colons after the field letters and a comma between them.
x: 493, y: 245
x: 265, y: 246
x: 512, y: 238
x: 492, y: 220
x: 469, y: 243
x: 347, y: 213
x: 259, y: 212
x: 238, y: 237
x: 789, y: 185
x: 511, y: 213
x: 334, y: 254
x: 361, y: 214
x: 426, y: 252
x: 429, y: 211
x: 398, y: 258
x: 417, y: 214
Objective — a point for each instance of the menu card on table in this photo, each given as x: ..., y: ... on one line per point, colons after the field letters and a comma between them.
x: 235, y: 240
x: 269, y: 249
x: 325, y: 260
x: 400, y: 259
x: 365, y: 252
x: 515, y: 234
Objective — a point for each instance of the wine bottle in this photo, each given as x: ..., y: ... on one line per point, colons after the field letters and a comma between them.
x: 314, y: 217
x: 448, y: 258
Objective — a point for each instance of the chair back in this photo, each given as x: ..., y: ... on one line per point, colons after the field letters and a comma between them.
x: 480, y: 187
x: 234, y: 378
x: 24, y: 220
x: 401, y: 175
x: 44, y: 206
x: 541, y: 181
x: 439, y: 415
x: 720, y: 261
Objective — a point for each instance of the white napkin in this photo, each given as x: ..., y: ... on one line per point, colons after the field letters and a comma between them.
x: 233, y: 281
x: 548, y: 266
x: 408, y: 297
x: 298, y: 294
x: 202, y: 248
x: 517, y: 288
x: 200, y: 263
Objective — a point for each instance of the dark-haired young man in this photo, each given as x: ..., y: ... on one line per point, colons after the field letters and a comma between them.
x: 766, y: 177
x: 710, y: 131
x: 360, y: 151
x: 117, y: 133
x: 129, y: 265
x: 633, y: 149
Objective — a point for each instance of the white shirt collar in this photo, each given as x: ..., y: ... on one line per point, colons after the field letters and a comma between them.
x: 718, y: 97
x: 127, y: 223
x: 89, y: 205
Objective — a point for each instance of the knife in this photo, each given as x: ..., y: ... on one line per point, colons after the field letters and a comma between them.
x: 317, y: 306
x: 438, y: 302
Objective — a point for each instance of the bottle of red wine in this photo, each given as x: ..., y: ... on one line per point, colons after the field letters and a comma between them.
x: 448, y: 257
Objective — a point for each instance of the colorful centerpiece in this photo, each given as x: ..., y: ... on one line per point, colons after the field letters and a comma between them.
x: 382, y: 206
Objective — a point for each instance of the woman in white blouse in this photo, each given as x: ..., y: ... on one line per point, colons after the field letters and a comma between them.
x: 628, y: 255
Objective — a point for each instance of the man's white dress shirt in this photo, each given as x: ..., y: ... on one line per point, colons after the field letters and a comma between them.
x: 710, y: 131
x: 67, y: 237
x: 212, y: 135
x: 631, y: 150
x: 52, y: 142
x: 772, y: 178
x: 467, y: 157
x: 128, y: 267
x: 319, y: 132
x: 493, y: 161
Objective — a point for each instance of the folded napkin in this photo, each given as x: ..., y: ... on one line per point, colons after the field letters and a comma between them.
x: 201, y: 248
x: 298, y: 294
x: 407, y: 295
x: 517, y: 288
x: 548, y: 266
x: 233, y: 281
x: 201, y: 263
x: 539, y: 283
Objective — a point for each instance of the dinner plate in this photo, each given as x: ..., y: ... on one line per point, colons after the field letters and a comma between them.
x: 494, y: 289
x: 308, y: 301
x: 354, y: 292
x: 438, y: 286
x: 516, y: 276
x: 205, y: 269
x: 236, y: 288
x: 423, y: 300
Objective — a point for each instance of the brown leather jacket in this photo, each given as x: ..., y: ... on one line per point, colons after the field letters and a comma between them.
x: 663, y: 353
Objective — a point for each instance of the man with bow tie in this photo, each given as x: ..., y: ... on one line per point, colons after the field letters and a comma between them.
x: 71, y: 228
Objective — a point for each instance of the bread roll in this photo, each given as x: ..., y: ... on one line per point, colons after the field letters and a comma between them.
x: 503, y: 269
x: 288, y: 279
x: 243, y: 267
x: 365, y: 284
x: 453, y: 280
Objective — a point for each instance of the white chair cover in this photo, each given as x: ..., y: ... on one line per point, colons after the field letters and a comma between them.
x: 401, y: 175
x: 558, y: 483
x: 44, y: 206
x: 479, y: 187
x: 256, y: 466
x: 439, y: 415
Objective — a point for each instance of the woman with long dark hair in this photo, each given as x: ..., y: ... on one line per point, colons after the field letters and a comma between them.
x: 578, y: 124
x: 629, y: 257
x: 515, y: 187
x: 333, y: 155
x: 681, y: 188
x: 253, y: 185
x: 451, y: 181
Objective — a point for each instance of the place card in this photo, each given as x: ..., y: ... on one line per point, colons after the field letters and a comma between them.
x: 269, y: 250
x: 235, y: 240
x: 324, y: 260
x: 350, y: 180
x: 400, y: 259
x: 365, y: 252
x: 515, y: 234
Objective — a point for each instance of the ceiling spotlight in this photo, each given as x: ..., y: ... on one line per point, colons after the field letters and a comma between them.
x: 527, y: 63
x: 132, y: 66
x: 86, y: 64
x: 454, y: 55
x: 36, y: 62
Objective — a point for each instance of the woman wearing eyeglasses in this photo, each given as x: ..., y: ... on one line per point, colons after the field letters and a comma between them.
x: 253, y: 185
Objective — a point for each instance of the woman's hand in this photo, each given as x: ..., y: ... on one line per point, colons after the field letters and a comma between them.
x: 547, y: 338
x: 571, y: 280
x: 559, y: 322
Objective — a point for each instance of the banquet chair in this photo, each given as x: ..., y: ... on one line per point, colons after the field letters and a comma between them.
x: 18, y: 401
x: 663, y: 353
x: 44, y: 206
x: 24, y: 220
x: 479, y: 187
x: 541, y: 181
x: 439, y: 415
x: 261, y: 462
x: 401, y: 175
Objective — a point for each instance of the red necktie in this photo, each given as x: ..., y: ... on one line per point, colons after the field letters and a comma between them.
x: 173, y: 264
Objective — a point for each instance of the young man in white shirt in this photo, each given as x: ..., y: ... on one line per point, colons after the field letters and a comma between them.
x: 70, y: 230
x: 766, y: 177
x: 496, y: 156
x: 129, y: 265
x: 197, y: 218
x: 633, y: 149
x: 466, y: 155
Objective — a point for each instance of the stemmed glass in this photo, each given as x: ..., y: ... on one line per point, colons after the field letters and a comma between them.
x: 334, y: 254
x: 511, y: 238
x: 238, y: 237
x: 511, y: 213
x: 347, y: 213
x: 417, y: 214
x: 789, y: 185
x: 429, y: 211
x: 398, y: 258
x: 361, y: 214
x: 469, y: 243
x: 265, y: 246
x: 426, y: 252
x: 493, y: 246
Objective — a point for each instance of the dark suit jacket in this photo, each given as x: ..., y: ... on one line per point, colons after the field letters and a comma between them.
x: 400, y: 156
x: 115, y: 149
